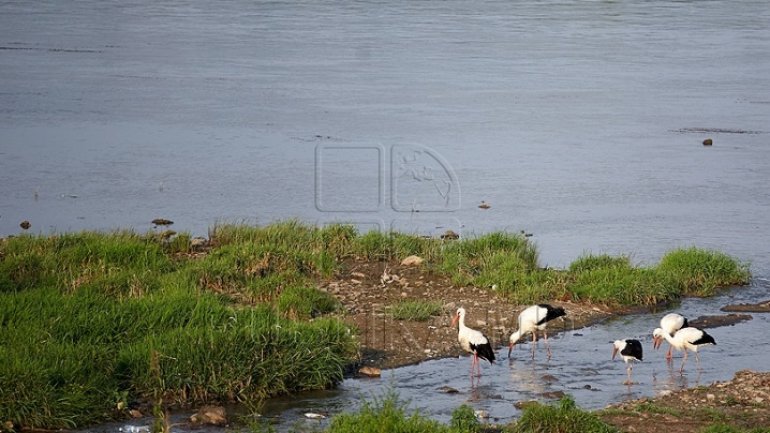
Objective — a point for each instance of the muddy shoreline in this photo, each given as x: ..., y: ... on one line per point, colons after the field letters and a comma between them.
x: 390, y: 343
x: 743, y: 402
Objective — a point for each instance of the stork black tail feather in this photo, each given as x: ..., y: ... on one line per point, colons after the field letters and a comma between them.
x: 705, y: 339
x: 551, y: 313
x: 485, y: 351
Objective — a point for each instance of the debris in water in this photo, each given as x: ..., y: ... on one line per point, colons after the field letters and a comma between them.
x: 370, y: 371
x: 760, y: 307
x: 484, y: 205
x: 162, y: 222
x: 210, y: 415
x: 166, y: 234
x: 198, y: 243
x: 313, y: 415
x: 387, y: 278
x: 707, y: 142
x: 450, y: 235
x: 25, y: 225
x: 717, y: 320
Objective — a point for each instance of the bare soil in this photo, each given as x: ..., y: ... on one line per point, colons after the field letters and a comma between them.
x: 742, y: 402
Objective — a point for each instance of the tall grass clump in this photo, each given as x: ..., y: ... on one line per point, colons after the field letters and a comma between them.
x: 90, y: 321
x: 622, y: 285
x: 119, y: 263
x: 563, y: 417
x: 590, y: 262
x: 255, y: 264
x: 377, y: 245
x: 700, y: 272
x: 682, y: 272
x: 418, y: 310
x: 64, y: 356
x: 499, y: 258
x: 306, y: 302
x: 384, y: 415
x: 464, y: 420
x: 334, y: 239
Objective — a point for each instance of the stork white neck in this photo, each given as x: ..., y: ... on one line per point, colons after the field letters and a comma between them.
x: 461, y: 317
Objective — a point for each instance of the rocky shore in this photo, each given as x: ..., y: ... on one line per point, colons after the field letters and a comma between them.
x: 743, y: 402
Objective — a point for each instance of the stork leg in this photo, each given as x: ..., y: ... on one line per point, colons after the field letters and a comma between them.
x: 684, y: 359
x: 670, y: 353
x: 475, y: 364
x: 697, y: 360
x: 534, y: 342
x: 547, y: 346
x: 628, y: 375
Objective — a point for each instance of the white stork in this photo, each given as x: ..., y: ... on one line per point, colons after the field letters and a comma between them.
x: 473, y: 341
x: 533, y: 319
x: 686, y: 339
x: 670, y: 323
x: 630, y: 350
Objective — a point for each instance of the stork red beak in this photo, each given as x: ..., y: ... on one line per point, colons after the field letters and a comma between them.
x: 614, y: 352
x: 656, y: 341
x: 455, y: 319
x: 510, y: 347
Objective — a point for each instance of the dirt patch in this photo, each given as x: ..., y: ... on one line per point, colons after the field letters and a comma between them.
x: 759, y: 307
x: 742, y: 402
x: 367, y: 288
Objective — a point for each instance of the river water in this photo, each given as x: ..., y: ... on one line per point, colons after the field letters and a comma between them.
x: 580, y: 122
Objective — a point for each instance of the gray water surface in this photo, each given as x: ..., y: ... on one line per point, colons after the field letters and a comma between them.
x: 579, y: 121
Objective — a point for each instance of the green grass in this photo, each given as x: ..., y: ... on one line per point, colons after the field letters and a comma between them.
x: 384, y: 415
x: 388, y: 414
x: 89, y: 320
x: 700, y: 272
x: 652, y: 407
x: 415, y: 310
x: 563, y: 417
x: 616, y: 281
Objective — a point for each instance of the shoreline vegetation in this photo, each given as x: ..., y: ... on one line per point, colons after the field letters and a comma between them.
x: 94, y: 324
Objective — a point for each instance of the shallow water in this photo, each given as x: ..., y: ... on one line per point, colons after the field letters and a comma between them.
x: 579, y: 121
x: 580, y: 359
x: 580, y: 366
